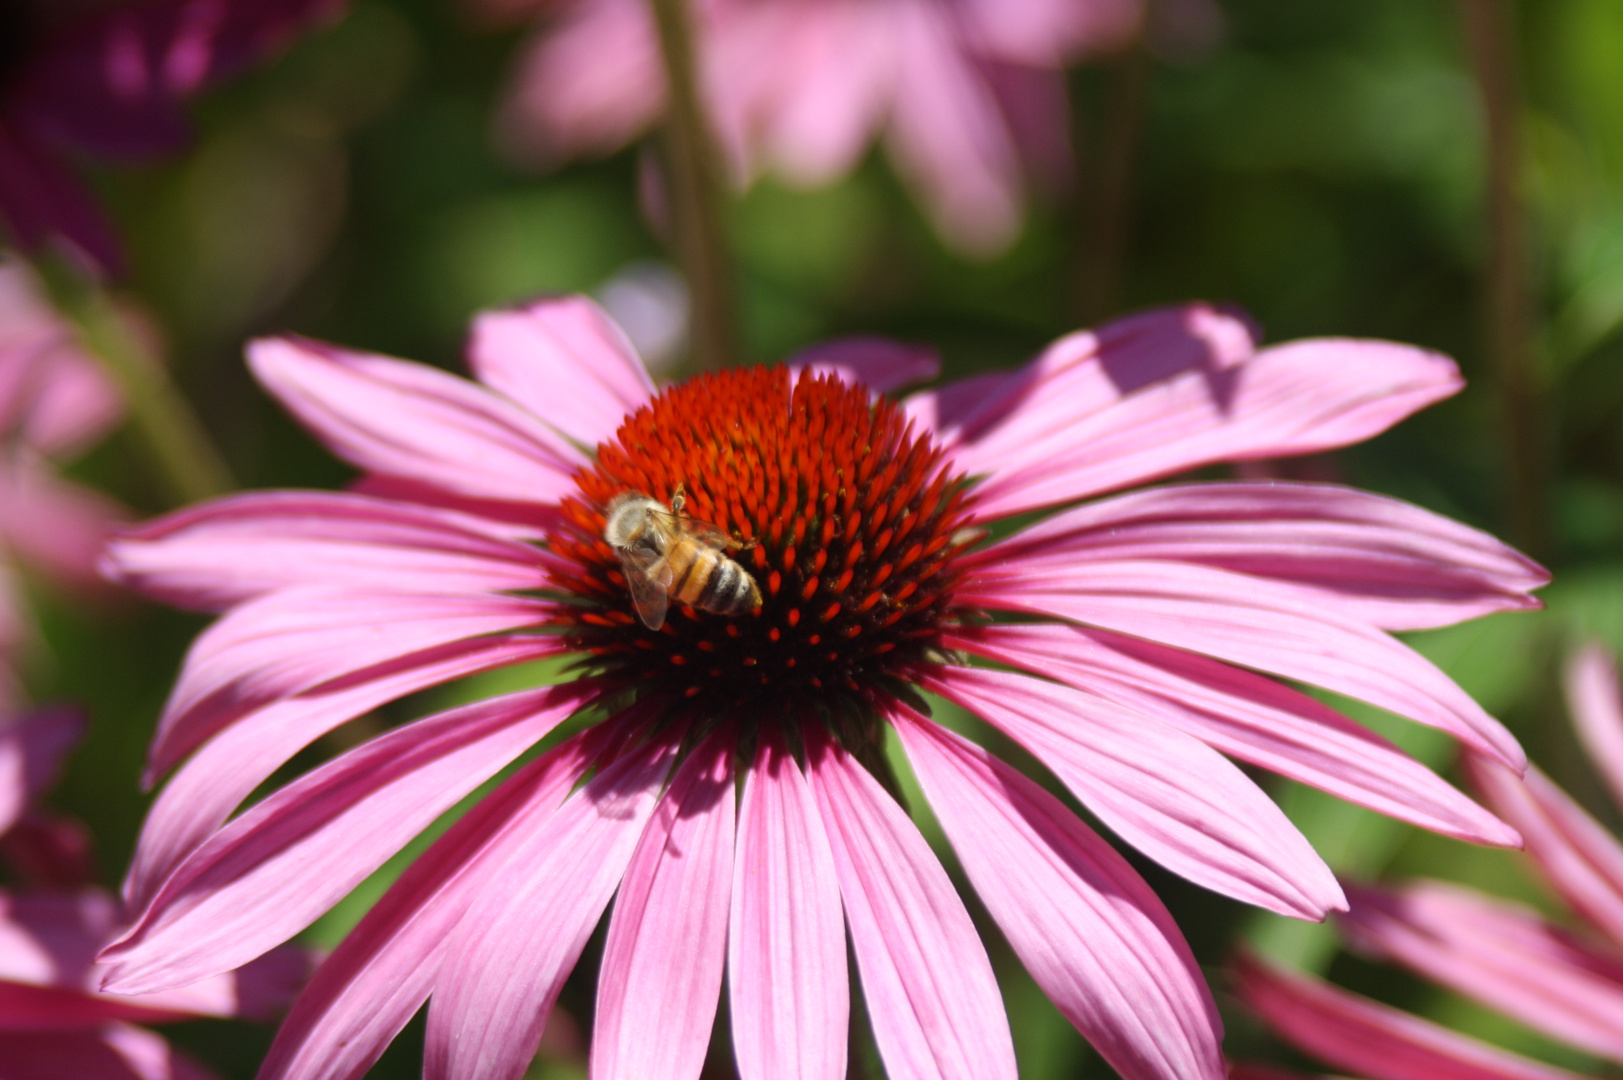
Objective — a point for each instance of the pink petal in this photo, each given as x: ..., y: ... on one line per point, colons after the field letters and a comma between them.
x: 217, y: 554
x: 1503, y: 955
x: 1245, y: 716
x: 33, y: 746
x: 42, y: 202
x: 115, y: 1052
x: 228, y: 768
x: 272, y: 871
x: 504, y: 965
x: 1090, y: 931
x: 1597, y: 711
x: 57, y: 527
x: 1371, y: 558
x: 416, y: 422
x: 75, y: 404
x: 931, y: 996
x: 1357, y: 1034
x: 947, y: 136
x: 1167, y: 391
x: 1580, y: 859
x: 1257, y: 623
x: 660, y: 982
x: 880, y: 364
x: 1171, y: 796
x: 296, y: 639
x: 786, y: 970
x: 565, y: 361
x: 384, y: 969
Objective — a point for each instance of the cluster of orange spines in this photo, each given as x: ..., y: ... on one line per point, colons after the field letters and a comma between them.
x: 845, y: 517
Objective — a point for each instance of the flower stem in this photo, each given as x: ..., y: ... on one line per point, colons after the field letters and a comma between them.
x: 188, y: 465
x: 1108, y: 192
x: 695, y: 194
x: 1506, y: 299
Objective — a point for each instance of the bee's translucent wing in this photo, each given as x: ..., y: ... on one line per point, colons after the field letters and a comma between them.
x: 648, y: 576
x: 709, y: 535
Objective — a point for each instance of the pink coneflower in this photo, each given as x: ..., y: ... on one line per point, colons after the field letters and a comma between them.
x: 55, y: 402
x: 475, y: 540
x: 1564, y: 981
x: 110, y: 79
x: 968, y: 96
x: 54, y: 1021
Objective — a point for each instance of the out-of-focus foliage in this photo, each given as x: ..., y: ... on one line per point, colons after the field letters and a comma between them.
x: 1320, y: 164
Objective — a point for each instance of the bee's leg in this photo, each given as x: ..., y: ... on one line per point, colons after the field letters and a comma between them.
x: 679, y: 498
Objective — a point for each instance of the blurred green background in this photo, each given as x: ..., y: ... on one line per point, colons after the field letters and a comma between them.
x: 1322, y: 165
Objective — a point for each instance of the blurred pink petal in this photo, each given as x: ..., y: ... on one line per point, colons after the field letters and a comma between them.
x: 56, y: 527
x: 880, y: 364
x: 1597, y: 712
x: 568, y: 869
x: 932, y: 999
x: 1172, y: 797
x: 564, y: 361
x: 660, y: 980
x: 1248, y: 717
x: 1354, y: 1033
x: 1577, y: 857
x: 1503, y: 955
x: 1086, y: 926
x: 114, y: 1052
x: 786, y: 971
x: 33, y: 746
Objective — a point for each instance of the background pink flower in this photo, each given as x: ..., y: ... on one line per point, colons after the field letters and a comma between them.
x: 54, y: 1021
x: 1132, y: 669
x: 111, y: 80
x: 1564, y: 981
x: 967, y: 95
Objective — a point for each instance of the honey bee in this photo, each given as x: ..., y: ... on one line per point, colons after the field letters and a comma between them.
x: 665, y: 553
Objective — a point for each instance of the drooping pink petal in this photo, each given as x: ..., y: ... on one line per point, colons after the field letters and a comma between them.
x: 74, y: 403
x: 931, y: 995
x: 114, y: 1052
x: 384, y: 969
x: 42, y: 201
x: 1369, y: 1039
x: 1048, y: 33
x: 1166, y: 391
x: 660, y: 981
x: 947, y: 137
x: 418, y: 423
x: 203, y: 792
x: 1503, y: 955
x: 32, y: 748
x: 880, y: 364
x: 296, y: 639
x: 504, y: 965
x: 1581, y: 860
x: 1257, y: 623
x: 272, y: 871
x: 1169, y: 795
x: 1371, y: 558
x: 1245, y: 716
x: 565, y: 361
x: 1090, y: 931
x: 218, y: 554
x: 585, y: 86
x: 786, y: 972
x: 1597, y: 711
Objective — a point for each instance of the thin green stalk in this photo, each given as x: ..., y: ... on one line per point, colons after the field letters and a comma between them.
x: 1507, y: 297
x: 187, y: 462
x: 691, y: 167
x: 1107, y: 190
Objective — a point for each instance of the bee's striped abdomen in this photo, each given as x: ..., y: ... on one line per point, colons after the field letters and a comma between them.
x: 729, y: 589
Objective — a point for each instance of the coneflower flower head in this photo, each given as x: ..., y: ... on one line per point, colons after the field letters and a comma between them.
x: 732, y: 798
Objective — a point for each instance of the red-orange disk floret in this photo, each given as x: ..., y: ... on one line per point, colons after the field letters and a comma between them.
x: 847, y: 519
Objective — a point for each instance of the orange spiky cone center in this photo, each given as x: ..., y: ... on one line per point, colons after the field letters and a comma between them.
x: 847, y: 519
